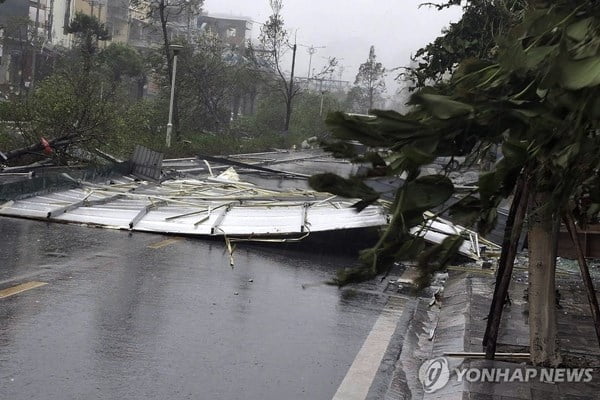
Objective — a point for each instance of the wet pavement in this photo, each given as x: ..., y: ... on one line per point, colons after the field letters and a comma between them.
x: 147, y: 316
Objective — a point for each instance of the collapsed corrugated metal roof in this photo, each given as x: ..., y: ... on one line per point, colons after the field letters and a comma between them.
x: 213, y: 206
x: 270, y: 200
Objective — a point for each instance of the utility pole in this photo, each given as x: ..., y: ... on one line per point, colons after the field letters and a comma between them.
x: 293, y: 66
x: 290, y: 96
x: 1, y: 44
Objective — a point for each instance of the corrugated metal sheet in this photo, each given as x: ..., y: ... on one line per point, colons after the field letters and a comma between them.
x: 146, y: 163
x: 207, y: 207
x: 436, y: 230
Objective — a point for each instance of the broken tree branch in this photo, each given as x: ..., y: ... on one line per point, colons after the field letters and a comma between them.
x: 62, y: 141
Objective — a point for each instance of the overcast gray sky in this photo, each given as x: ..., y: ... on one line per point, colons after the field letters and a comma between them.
x: 347, y: 28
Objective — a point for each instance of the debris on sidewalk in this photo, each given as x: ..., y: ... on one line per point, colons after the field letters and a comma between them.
x: 436, y: 229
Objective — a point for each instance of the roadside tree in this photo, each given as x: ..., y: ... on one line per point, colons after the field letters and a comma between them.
x: 538, y: 98
x: 274, y: 46
x: 473, y: 36
x: 371, y: 79
x: 167, y: 14
x: 212, y: 75
x: 81, y: 101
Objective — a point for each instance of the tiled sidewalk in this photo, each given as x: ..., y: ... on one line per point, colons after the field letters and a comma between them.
x: 460, y: 324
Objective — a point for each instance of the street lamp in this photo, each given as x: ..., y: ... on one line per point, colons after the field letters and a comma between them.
x: 175, y: 48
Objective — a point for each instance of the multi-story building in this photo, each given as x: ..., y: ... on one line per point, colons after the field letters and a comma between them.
x: 60, y: 14
x: 23, y: 31
x: 31, y: 29
x: 118, y: 17
x: 231, y: 30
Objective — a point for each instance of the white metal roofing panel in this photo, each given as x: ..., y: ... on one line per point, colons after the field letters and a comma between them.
x: 182, y: 206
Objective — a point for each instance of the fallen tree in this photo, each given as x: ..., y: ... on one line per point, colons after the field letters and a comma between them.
x: 42, y: 145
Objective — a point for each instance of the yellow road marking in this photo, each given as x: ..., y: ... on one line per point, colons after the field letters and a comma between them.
x: 11, y: 291
x: 164, y: 243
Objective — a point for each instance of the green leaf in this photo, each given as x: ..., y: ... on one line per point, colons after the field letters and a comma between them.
x: 409, y: 158
x: 579, y: 74
x: 488, y: 219
x: 442, y: 107
x: 466, y: 211
x: 349, y: 188
x: 416, y: 155
x: 500, y: 182
x: 593, y: 110
x: 426, y: 193
x: 411, y: 249
x: 579, y: 30
x: 593, y: 210
x: 351, y: 127
x: 513, y: 58
x: 515, y: 152
x: 538, y: 54
x: 437, y: 256
x: 488, y: 186
x: 340, y: 149
x: 568, y: 155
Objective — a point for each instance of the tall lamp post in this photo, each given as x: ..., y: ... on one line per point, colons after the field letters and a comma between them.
x: 175, y: 48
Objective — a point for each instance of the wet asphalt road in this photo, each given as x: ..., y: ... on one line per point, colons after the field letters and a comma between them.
x: 121, y: 320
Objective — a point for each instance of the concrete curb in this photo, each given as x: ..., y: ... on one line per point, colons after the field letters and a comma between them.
x: 451, y: 334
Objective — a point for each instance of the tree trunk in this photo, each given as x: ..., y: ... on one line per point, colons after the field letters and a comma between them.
x: 543, y: 233
x: 290, y: 94
x: 67, y: 16
x: 288, y: 116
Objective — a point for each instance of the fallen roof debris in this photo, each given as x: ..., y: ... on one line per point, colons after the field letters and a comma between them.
x: 211, y: 207
x: 160, y: 196
x: 436, y: 229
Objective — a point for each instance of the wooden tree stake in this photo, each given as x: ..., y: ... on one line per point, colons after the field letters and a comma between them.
x: 585, y: 272
x: 512, y: 233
